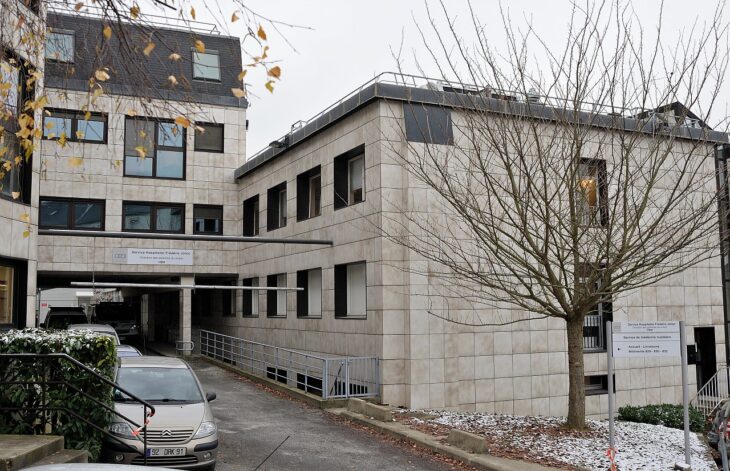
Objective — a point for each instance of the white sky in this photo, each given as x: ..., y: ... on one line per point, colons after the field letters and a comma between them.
x: 350, y: 42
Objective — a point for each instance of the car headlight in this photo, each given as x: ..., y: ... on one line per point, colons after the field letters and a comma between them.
x: 206, y: 429
x: 122, y: 429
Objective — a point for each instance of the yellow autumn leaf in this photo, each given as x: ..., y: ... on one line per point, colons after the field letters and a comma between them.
x: 107, y: 32
x: 62, y: 139
x: 117, y: 163
x: 49, y: 125
x: 174, y: 56
x: 238, y: 93
x: 15, y: 195
x: 192, y: 12
x: 199, y: 46
x: 79, y: 134
x: 148, y: 49
x: 234, y: 17
x: 172, y: 80
x: 87, y: 116
x: 270, y: 86
x: 242, y: 74
x: 182, y: 121
x: 5, y: 86
x: 25, y: 217
x: 275, y: 72
x: 7, y: 166
x: 74, y: 162
x: 141, y: 151
x: 79, y: 6
x: 101, y: 75
x: 131, y: 112
x: 26, y: 233
x: 261, y: 33
x: 98, y: 91
x: 134, y: 11
x: 265, y: 53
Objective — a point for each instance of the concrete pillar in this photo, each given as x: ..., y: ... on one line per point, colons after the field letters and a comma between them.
x: 186, y: 308
x: 147, y: 324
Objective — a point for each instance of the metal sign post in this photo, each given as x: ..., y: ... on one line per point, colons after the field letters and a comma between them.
x: 642, y: 340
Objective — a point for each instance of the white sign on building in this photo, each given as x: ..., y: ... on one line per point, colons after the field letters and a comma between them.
x: 646, y: 339
x: 152, y: 256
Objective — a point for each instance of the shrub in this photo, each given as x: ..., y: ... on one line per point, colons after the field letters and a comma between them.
x: 669, y: 415
x: 95, y: 351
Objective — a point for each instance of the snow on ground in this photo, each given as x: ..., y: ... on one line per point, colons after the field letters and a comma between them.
x: 543, y: 440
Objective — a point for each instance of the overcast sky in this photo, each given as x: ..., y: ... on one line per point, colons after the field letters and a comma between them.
x: 347, y: 43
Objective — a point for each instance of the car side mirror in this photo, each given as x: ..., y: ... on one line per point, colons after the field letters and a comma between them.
x: 210, y: 396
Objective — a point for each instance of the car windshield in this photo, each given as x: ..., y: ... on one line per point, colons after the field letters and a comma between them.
x: 159, y: 384
x: 61, y: 321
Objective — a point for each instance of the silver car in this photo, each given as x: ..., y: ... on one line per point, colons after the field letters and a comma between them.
x: 182, y: 434
x: 102, y: 329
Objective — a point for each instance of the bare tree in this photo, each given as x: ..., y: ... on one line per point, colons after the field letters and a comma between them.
x: 568, y: 182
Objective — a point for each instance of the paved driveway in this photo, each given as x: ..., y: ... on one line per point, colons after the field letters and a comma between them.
x: 252, y: 423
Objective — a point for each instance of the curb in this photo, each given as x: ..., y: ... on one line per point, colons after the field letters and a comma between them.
x: 400, y: 431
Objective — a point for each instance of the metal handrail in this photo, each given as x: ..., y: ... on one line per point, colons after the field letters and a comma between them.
x: 148, y: 409
x: 713, y: 392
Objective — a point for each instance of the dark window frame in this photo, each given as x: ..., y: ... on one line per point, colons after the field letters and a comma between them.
x: 421, y: 127
x: 251, y: 216
x: 303, y: 295
x: 77, y: 116
x: 153, y: 155
x: 340, y: 288
x: 272, y: 297
x: 273, y: 213
x: 66, y: 32
x: 249, y: 296
x: 154, y: 206
x: 595, y: 388
x: 303, y: 193
x: 71, y: 202
x: 208, y: 206
x: 194, y: 51
x: 341, y: 183
x: 223, y: 138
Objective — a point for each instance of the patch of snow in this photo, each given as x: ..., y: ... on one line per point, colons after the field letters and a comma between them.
x: 639, y: 446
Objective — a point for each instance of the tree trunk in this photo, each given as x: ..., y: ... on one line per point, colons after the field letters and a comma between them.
x: 576, y: 387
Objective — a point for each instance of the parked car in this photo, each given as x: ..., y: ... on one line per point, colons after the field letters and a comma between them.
x: 92, y: 467
x: 714, y: 420
x: 62, y: 317
x: 121, y: 316
x: 182, y: 434
x: 127, y: 351
x: 102, y: 329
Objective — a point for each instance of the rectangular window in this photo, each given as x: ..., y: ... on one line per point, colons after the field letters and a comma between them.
x: 350, y: 290
x: 206, y: 65
x: 276, y: 299
x: 209, y: 137
x: 594, y: 323
x: 309, y: 300
x: 276, y: 210
x: 429, y: 124
x: 154, y: 149
x: 11, y: 174
x: 10, y: 96
x: 74, y: 126
x: 60, y: 45
x: 592, y: 197
x: 15, y: 162
x: 251, y: 216
x: 309, y: 194
x: 207, y: 219
x: 597, y: 384
x: 349, y: 183
x: 153, y: 217
x: 250, y: 298
x: 58, y: 213
x: 7, y: 279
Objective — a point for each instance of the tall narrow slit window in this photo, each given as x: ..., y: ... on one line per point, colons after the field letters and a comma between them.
x: 592, y: 195
x: 154, y: 149
x: 251, y: 216
x: 349, y: 181
x: 309, y: 299
x: 250, y: 306
x: 309, y: 194
x: 277, y: 207
x: 351, y: 290
x: 276, y: 299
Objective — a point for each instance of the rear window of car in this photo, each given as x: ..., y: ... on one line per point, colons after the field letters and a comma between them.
x: 62, y: 321
x: 159, y: 384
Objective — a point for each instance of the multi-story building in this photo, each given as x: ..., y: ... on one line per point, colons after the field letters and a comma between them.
x: 114, y: 159
x: 336, y: 177
x: 21, y: 55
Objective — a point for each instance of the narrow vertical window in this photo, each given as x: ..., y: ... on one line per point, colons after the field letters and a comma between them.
x: 356, y: 177
x: 350, y: 290
x: 349, y: 178
x: 592, y: 195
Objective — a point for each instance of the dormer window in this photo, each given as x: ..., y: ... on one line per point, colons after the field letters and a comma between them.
x: 206, y: 65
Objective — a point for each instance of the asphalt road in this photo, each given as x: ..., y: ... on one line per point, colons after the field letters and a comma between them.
x: 253, y: 422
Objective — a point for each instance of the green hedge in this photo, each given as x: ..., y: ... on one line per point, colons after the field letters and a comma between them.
x: 95, y: 351
x: 669, y: 415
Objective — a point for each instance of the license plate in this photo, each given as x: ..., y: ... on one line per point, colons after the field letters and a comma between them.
x: 166, y: 451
